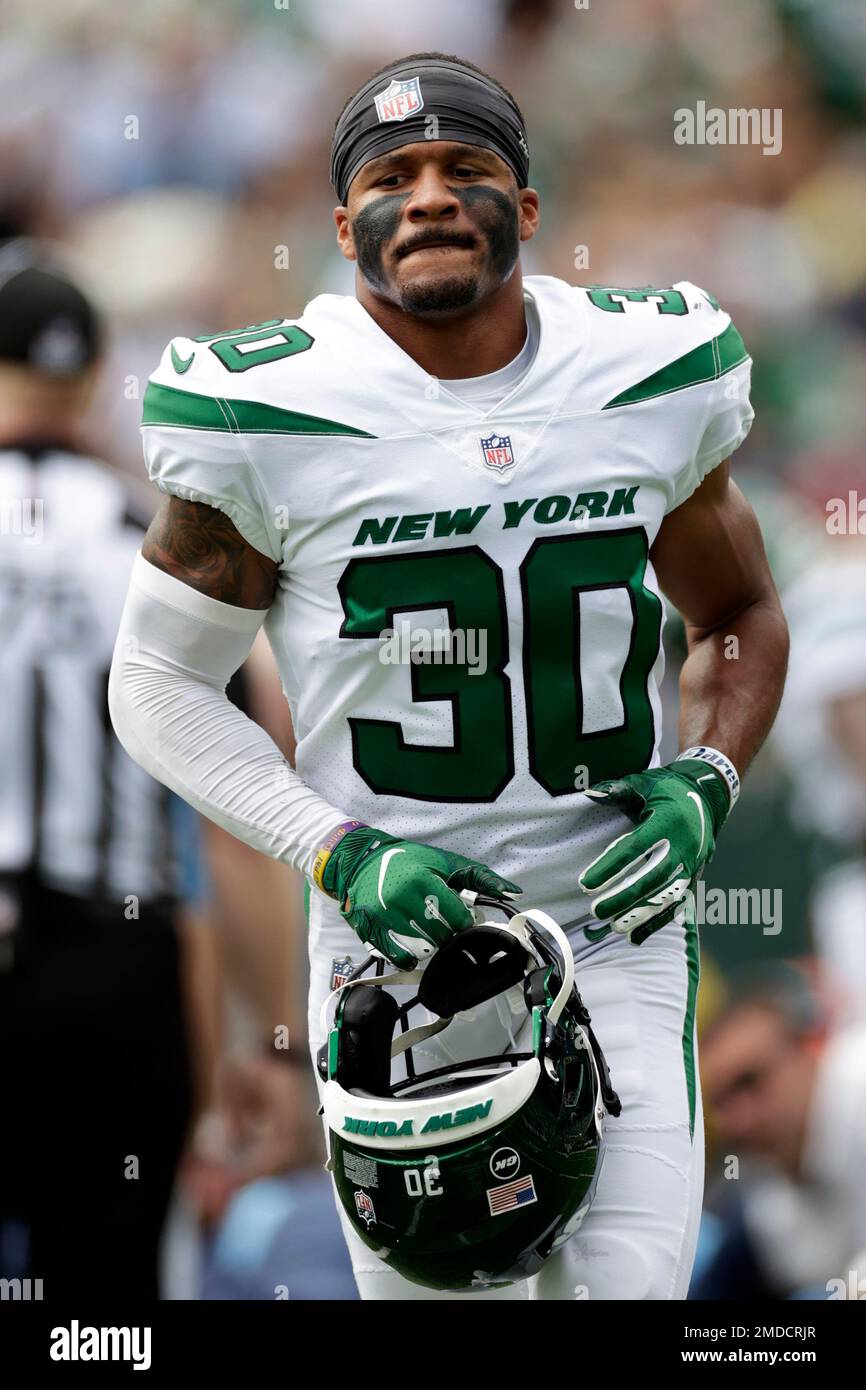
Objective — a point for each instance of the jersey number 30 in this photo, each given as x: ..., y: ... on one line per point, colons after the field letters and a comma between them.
x: 468, y: 585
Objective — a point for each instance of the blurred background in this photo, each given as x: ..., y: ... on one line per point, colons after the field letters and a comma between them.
x: 176, y: 155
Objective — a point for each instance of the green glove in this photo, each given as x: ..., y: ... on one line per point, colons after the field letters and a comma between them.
x: 403, y: 898
x: 642, y: 879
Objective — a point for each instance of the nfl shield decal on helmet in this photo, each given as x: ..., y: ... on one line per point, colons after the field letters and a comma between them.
x: 497, y: 452
x: 340, y: 971
x: 399, y: 100
x: 365, y: 1208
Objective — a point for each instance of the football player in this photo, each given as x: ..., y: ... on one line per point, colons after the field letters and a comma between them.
x: 454, y: 500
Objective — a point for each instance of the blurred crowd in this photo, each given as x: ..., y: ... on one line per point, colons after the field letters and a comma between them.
x: 177, y: 156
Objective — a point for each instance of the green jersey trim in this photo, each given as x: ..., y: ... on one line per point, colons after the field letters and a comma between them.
x: 705, y: 363
x: 166, y: 405
x: 693, y: 967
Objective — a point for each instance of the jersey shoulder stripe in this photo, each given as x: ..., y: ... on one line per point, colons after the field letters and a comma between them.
x: 648, y: 343
x: 704, y: 363
x: 170, y: 407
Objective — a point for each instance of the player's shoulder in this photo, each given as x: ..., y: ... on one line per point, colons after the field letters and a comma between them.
x: 682, y: 314
x: 618, y: 320
x: 649, y: 341
x: 230, y: 362
x: 282, y: 375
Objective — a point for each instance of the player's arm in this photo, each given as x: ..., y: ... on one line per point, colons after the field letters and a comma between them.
x: 201, y: 547
x: 709, y: 559
x: 710, y: 562
x: 198, y: 595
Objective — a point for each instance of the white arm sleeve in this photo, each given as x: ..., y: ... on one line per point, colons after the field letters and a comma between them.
x: 175, y: 653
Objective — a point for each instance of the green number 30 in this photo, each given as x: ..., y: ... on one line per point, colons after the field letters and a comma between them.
x: 468, y: 585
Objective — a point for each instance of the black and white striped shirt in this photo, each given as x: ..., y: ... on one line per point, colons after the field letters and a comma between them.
x: 74, y: 808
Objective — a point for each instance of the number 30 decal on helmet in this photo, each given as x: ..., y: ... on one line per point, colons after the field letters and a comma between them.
x: 470, y: 1174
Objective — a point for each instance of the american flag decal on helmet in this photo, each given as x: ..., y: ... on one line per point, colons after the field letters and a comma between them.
x: 519, y: 1193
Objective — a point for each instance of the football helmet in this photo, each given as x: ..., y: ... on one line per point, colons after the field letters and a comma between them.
x: 467, y: 1175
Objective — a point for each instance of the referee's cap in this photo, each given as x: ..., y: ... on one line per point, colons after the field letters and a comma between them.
x: 47, y: 323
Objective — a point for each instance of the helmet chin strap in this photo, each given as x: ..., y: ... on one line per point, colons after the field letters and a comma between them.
x: 415, y: 1035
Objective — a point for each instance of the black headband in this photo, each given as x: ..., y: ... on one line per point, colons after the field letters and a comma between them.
x: 396, y: 107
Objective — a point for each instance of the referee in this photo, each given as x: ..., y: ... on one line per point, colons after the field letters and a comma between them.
x: 95, y: 1089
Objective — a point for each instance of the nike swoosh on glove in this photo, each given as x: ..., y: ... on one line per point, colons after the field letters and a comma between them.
x: 643, y: 877
x: 402, y: 898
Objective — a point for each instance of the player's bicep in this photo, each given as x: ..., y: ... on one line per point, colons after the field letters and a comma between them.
x: 200, y: 546
x: 709, y: 554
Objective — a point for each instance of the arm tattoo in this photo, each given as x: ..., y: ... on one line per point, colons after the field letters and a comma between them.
x: 200, y: 546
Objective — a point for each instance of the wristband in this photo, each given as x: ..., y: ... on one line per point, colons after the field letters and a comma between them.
x: 328, y: 848
x: 722, y: 765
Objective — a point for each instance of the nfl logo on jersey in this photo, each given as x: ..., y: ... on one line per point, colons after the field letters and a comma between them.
x: 497, y: 451
x: 365, y: 1208
x: 399, y: 100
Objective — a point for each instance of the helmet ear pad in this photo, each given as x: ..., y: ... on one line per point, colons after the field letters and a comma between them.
x: 369, y: 1017
x: 475, y: 965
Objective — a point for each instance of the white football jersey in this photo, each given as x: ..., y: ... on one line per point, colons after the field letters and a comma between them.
x: 467, y: 623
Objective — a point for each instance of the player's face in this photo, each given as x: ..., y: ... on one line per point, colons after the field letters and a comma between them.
x: 435, y: 226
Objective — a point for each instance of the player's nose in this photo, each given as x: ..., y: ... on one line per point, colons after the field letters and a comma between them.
x: 431, y: 197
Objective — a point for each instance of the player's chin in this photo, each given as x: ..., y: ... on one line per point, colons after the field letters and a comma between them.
x: 441, y: 293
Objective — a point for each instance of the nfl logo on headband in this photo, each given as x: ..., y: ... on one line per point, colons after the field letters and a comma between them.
x: 399, y: 100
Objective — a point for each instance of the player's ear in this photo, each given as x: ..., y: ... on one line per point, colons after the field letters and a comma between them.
x: 528, y: 203
x: 345, y: 240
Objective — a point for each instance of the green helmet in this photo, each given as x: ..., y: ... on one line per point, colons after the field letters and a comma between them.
x: 467, y: 1175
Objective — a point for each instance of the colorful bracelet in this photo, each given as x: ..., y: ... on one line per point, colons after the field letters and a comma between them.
x: 328, y: 848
